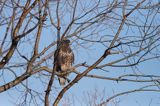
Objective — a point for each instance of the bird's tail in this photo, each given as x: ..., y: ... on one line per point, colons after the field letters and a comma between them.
x: 62, y: 81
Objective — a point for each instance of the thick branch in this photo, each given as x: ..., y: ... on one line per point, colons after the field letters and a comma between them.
x: 15, y: 40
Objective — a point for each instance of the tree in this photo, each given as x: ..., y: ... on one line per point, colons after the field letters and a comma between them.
x: 106, y: 35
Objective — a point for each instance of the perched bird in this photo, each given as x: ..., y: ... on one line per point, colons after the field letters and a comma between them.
x: 63, y: 60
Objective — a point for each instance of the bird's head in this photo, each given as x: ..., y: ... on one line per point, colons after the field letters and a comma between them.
x: 66, y: 41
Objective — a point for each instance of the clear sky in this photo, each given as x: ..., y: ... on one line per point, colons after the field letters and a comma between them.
x: 89, y: 53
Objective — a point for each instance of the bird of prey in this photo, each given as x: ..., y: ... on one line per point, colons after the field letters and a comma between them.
x: 63, y: 59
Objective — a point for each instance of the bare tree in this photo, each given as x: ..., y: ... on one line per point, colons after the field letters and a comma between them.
x: 106, y: 35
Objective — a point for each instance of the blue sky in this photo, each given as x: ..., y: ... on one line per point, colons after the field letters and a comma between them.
x: 89, y: 53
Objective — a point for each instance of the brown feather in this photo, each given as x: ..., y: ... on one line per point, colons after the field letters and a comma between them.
x: 64, y: 59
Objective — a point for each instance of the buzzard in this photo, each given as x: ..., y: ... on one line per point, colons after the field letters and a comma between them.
x: 63, y: 59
